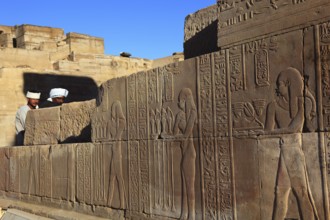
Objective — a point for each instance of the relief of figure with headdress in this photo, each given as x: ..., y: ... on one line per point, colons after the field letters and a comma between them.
x: 285, y: 117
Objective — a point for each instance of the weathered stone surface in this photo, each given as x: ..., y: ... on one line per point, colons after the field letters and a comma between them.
x: 82, y: 43
x: 241, y: 133
x: 27, y: 50
x: 31, y: 37
x: 42, y: 126
x: 199, y: 26
x: 14, y: 214
x: 245, y: 20
x: 69, y: 123
x: 75, y: 121
x: 4, y: 169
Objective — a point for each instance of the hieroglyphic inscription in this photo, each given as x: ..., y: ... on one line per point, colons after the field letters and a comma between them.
x: 238, y: 18
x: 237, y: 69
x: 144, y: 175
x: 236, y: 12
x: 261, y: 49
x: 4, y: 169
x: 45, y: 172
x: 24, y: 168
x: 209, y: 178
x: 87, y: 174
x: 327, y: 145
x: 225, y: 180
x: 71, y: 173
x: 268, y: 44
x: 205, y: 83
x: 261, y: 68
x: 298, y: 1
x: 152, y: 86
x: 324, y: 39
x: 134, y: 176
x: 215, y: 154
x: 14, y: 169
x: 165, y: 84
x: 143, y: 135
x: 205, y: 93
x: 99, y: 173
x: 168, y: 94
x: 161, y: 84
x: 84, y: 174
x: 221, y: 151
x: 142, y: 105
x: 220, y: 94
x: 80, y: 173
x: 132, y: 108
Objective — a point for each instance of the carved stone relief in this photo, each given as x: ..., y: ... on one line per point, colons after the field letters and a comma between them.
x: 235, y: 134
x: 4, y: 169
x: 195, y: 23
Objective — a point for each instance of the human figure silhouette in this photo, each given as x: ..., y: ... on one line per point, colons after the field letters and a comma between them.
x: 116, y: 126
x: 285, y: 115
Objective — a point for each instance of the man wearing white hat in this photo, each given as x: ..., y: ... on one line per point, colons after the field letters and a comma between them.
x: 32, y: 103
x: 56, y: 98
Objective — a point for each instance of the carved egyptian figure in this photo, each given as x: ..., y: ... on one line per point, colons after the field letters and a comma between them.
x: 285, y: 115
x: 183, y: 128
x: 169, y: 120
x: 117, y: 126
x: 164, y: 121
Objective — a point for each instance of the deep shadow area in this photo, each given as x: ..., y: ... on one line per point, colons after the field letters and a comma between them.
x: 84, y: 137
x: 80, y: 88
x: 203, y: 42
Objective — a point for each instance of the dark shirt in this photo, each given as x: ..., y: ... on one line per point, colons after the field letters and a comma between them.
x: 47, y: 104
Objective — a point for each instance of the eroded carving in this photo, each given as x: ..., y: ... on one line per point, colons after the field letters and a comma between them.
x: 245, y: 116
x: 195, y: 23
x: 237, y: 69
x: 116, y: 127
x: 262, y: 68
x: 286, y: 115
x: 183, y: 129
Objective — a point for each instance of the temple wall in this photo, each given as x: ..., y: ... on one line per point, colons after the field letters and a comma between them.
x: 199, y: 26
x: 40, y: 58
x: 213, y: 146
x: 241, y: 133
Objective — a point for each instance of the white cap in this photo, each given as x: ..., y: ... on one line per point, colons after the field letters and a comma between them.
x: 58, y: 92
x: 33, y: 95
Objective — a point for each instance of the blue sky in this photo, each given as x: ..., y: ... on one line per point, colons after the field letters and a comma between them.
x: 146, y: 29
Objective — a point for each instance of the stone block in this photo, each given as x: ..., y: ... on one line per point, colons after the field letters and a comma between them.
x: 76, y: 121
x: 62, y: 53
x: 243, y: 21
x: 42, y: 126
x: 199, y: 26
x: 82, y: 43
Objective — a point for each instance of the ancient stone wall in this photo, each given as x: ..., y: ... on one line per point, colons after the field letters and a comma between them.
x: 198, y: 27
x: 241, y: 133
x: 36, y: 57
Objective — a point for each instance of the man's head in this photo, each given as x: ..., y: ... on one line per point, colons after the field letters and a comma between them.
x: 33, y: 98
x: 58, y: 95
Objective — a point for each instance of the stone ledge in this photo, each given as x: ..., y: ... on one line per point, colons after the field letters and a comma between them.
x: 43, y: 212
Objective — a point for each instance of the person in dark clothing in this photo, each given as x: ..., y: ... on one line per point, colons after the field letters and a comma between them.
x: 56, y: 98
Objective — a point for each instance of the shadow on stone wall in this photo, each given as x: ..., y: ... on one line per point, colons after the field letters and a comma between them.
x: 198, y: 45
x: 80, y: 88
